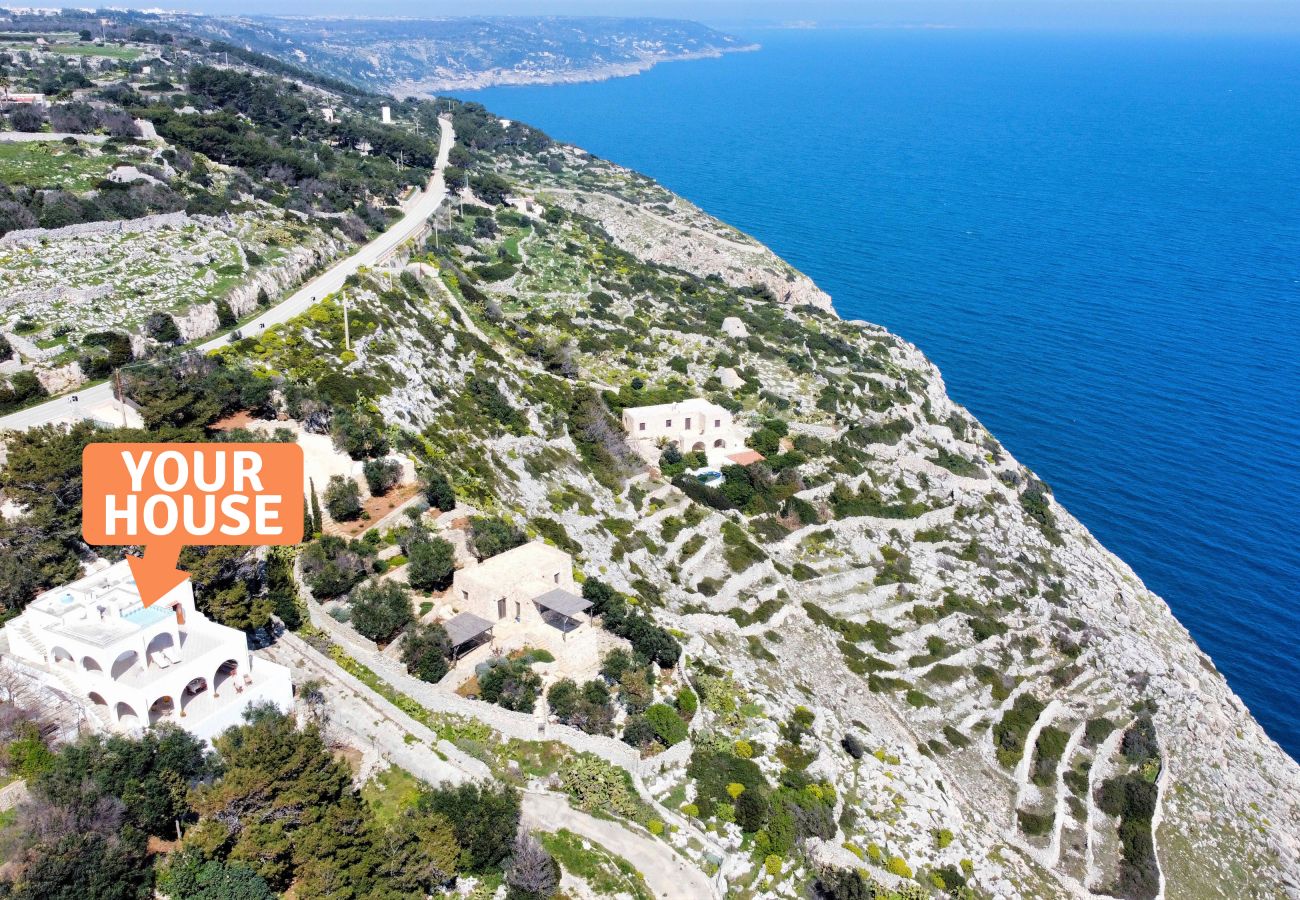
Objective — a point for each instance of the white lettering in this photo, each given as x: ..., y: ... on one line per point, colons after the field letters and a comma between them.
x: 136, y: 471
x: 218, y: 478
x: 209, y: 509
x: 112, y: 514
x: 263, y: 517
x: 151, y: 515
x: 230, y: 509
x: 247, y: 465
x: 182, y: 471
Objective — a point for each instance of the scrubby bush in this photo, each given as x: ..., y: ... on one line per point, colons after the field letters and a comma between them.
x: 426, y: 650
x: 382, y: 475
x: 511, y: 684
x: 667, y: 725
x: 343, y: 499
x: 380, y: 609
x: 489, y: 536
x: 432, y: 562
x: 437, y: 490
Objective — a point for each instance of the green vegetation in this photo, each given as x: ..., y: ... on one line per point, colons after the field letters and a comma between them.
x: 1010, y: 733
x: 606, y: 873
x: 395, y: 837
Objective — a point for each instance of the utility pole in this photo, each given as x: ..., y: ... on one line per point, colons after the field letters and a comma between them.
x: 121, y: 400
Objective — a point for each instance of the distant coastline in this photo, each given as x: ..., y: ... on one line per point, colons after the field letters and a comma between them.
x: 516, y: 78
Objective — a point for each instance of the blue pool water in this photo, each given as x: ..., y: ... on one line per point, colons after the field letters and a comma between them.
x: 1096, y: 238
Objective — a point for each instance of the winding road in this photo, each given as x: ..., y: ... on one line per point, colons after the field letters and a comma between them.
x: 418, y: 211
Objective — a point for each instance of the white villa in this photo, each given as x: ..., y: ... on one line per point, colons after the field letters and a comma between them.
x: 694, y: 424
x: 134, y: 665
x: 531, y: 584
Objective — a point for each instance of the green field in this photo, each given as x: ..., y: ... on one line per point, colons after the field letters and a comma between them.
x: 40, y: 164
x: 125, y: 53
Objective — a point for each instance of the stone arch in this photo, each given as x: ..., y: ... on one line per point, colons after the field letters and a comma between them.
x: 162, y: 708
x: 90, y: 664
x: 699, y: 445
x: 228, y: 671
x: 124, y: 662
x: 60, y: 656
x: 193, y: 689
x: 720, y: 443
x: 126, y: 714
x: 95, y: 698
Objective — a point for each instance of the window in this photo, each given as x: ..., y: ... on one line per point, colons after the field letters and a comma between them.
x: 668, y: 424
x: 688, y: 423
x: 557, y: 577
x: 464, y: 595
x: 641, y: 426
x: 717, y: 423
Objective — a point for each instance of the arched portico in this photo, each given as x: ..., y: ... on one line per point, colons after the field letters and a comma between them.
x: 90, y: 664
x: 124, y: 662
x: 126, y: 714
x: 192, y: 690
x: 163, y: 708
x: 719, y: 443
x: 60, y: 656
x: 227, y: 675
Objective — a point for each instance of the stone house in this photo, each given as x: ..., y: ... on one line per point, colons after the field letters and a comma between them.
x: 530, y: 584
x: 695, y: 424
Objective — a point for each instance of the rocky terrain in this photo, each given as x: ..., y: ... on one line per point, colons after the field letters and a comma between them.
x: 987, y: 683
x: 914, y: 667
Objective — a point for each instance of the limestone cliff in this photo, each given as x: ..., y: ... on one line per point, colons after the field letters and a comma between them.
x: 997, y: 699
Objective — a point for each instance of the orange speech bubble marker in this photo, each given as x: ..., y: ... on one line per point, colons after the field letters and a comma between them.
x: 163, y: 496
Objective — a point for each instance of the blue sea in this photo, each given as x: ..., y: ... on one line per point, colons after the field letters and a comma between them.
x: 1096, y: 238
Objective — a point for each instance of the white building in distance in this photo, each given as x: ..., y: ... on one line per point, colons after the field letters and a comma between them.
x: 695, y: 424
x: 135, y: 666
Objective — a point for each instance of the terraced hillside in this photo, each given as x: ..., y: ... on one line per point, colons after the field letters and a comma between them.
x: 889, y: 613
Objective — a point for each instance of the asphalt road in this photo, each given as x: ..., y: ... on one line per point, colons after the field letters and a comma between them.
x: 370, y: 254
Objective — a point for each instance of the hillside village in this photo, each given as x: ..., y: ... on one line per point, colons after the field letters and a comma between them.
x: 632, y: 569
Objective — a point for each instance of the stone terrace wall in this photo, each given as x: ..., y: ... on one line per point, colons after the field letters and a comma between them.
x: 124, y: 226
x: 522, y: 726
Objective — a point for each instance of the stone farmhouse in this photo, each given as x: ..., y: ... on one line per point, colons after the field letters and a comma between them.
x: 133, y: 666
x: 694, y: 424
x: 531, y: 584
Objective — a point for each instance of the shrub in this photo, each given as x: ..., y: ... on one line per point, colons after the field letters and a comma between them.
x: 382, y: 475
x: 380, y: 609
x: 772, y: 865
x: 438, y: 490
x: 1010, y: 733
x: 490, y: 536
x: 426, y: 650
x: 432, y: 562
x: 1035, y: 824
x: 898, y: 866
x: 510, y: 684
x: 343, y: 499
x: 162, y: 328
x: 687, y: 703
x: 853, y: 746
x: 667, y: 725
